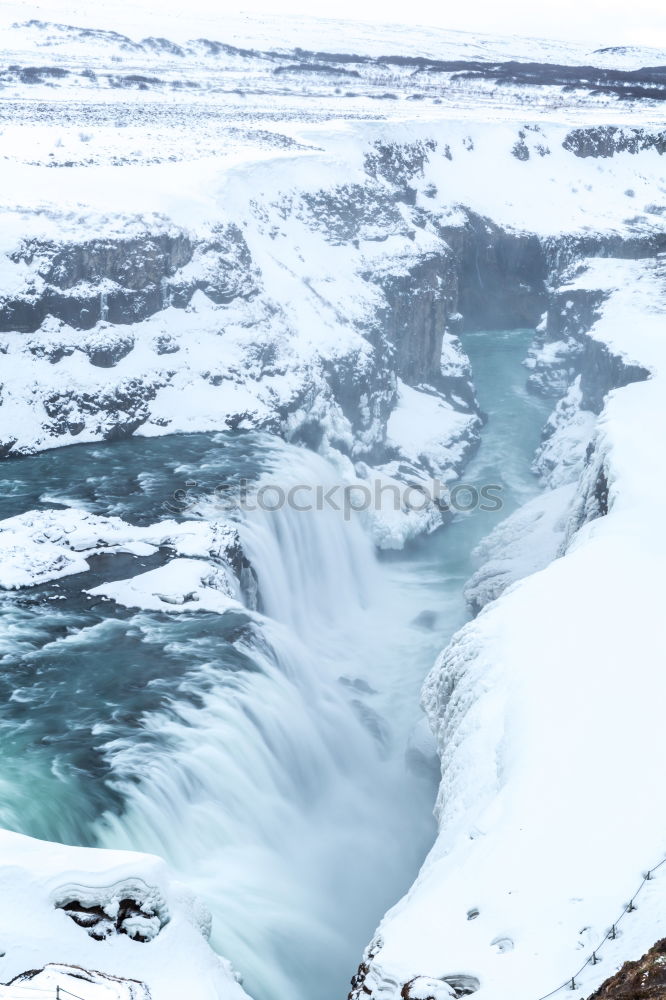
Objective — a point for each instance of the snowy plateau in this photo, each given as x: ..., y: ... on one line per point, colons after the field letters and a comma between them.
x: 275, y: 240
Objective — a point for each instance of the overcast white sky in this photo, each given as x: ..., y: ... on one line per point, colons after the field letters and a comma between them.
x: 602, y: 22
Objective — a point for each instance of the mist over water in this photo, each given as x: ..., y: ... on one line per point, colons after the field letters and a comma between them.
x: 284, y: 798
x: 276, y: 758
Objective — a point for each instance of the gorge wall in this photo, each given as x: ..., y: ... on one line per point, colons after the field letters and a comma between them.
x: 510, y: 686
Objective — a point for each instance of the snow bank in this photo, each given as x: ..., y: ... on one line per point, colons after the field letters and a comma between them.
x: 548, y: 713
x: 522, y: 544
x: 43, y: 946
x: 426, y: 429
x: 181, y: 585
x: 567, y: 434
x: 46, y: 545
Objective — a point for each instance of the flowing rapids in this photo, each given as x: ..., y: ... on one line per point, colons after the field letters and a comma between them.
x: 278, y: 758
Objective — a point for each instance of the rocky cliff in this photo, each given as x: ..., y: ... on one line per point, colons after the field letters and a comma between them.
x: 643, y: 979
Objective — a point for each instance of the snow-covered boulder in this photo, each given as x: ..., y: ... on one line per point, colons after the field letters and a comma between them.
x: 181, y: 585
x: 103, y: 925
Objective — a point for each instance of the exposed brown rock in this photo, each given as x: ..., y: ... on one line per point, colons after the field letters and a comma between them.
x: 641, y: 980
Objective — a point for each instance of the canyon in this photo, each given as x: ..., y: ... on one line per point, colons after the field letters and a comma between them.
x: 308, y: 256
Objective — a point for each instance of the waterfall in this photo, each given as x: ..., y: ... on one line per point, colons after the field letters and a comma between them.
x: 103, y: 306
x: 315, y: 569
x: 278, y: 796
x: 268, y: 756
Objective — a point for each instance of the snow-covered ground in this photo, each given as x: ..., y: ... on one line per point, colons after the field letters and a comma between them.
x: 40, y: 882
x: 47, y: 545
x: 547, y: 711
x: 234, y: 188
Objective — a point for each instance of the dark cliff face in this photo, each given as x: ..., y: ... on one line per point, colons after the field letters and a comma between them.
x: 124, y: 281
x: 579, y: 370
x: 481, y: 276
x: 571, y: 315
x: 561, y: 253
x: 501, y: 274
x: 418, y: 307
x: 607, y: 140
x: 74, y: 277
x: 602, y: 371
x: 644, y: 979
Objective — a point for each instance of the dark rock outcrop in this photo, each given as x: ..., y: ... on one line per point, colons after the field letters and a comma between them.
x: 226, y: 270
x: 607, y: 140
x: 419, y: 987
x: 118, y: 280
x: 352, y: 212
x: 501, y: 274
x: 126, y: 916
x: 644, y: 979
x: 399, y: 163
x: 571, y: 315
x: 418, y: 306
x: 358, y: 982
x: 115, y: 413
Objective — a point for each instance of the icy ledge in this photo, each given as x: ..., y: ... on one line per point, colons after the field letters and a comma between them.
x: 39, y: 546
x: 521, y: 544
x: 151, y: 930
x: 548, y: 711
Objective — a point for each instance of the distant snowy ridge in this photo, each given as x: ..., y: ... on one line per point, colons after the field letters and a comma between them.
x: 288, y: 32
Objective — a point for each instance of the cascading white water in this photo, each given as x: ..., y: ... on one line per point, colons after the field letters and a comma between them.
x: 262, y: 754
x: 285, y: 799
x: 315, y: 568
